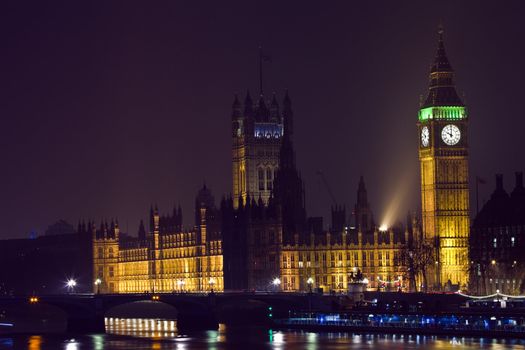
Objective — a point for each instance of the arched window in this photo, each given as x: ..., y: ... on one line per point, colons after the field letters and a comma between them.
x: 261, y: 179
x: 269, y: 179
x: 100, y: 253
x: 110, y: 252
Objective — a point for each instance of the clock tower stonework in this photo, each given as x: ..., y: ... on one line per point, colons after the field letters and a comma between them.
x: 443, y: 156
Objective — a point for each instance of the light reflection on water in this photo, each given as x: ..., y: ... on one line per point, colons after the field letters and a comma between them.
x: 155, y: 328
x: 126, y: 335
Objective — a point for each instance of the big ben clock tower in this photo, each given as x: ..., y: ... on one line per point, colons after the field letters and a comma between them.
x: 443, y: 156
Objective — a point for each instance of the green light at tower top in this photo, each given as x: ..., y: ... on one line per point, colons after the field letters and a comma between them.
x: 443, y: 113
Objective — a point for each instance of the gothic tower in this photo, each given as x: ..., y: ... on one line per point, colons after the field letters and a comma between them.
x: 257, y: 132
x: 443, y: 156
x: 289, y: 187
x: 364, y: 219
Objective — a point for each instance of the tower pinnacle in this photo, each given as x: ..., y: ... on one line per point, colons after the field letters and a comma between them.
x: 442, y: 91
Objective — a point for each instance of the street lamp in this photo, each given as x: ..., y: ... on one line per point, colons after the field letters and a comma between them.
x: 181, y: 283
x: 70, y: 284
x: 310, y: 282
x: 98, y: 281
x: 276, y: 282
x: 211, y: 282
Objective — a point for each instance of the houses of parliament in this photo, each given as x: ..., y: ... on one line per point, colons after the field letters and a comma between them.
x: 261, y: 238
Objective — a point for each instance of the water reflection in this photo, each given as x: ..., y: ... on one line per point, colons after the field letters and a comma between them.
x: 126, y: 335
x: 154, y: 328
x: 35, y: 342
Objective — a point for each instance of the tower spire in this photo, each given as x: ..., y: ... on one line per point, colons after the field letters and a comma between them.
x: 442, y: 90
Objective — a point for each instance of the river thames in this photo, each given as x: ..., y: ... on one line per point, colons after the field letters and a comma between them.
x: 251, y: 338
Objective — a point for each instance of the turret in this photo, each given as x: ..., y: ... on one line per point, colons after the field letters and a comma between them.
x: 236, y: 108
x: 142, y: 231
x: 364, y: 220
x: 274, y: 110
x: 248, y: 105
x: 288, y: 116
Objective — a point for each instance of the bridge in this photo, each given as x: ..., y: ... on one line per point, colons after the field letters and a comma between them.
x: 86, y: 312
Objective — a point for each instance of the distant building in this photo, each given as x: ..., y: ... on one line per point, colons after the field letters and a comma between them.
x: 43, y: 264
x: 497, y: 242
x: 61, y: 227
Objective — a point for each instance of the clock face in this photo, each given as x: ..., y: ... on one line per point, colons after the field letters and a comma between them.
x: 451, y: 134
x: 425, y: 136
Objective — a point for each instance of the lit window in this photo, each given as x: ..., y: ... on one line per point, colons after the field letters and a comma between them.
x: 512, y: 241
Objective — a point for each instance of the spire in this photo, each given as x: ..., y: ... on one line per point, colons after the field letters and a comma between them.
x: 262, y: 114
x: 287, y: 116
x: 151, y: 219
x: 441, y: 63
x: 442, y: 91
x: 364, y: 219
x: 236, y: 102
x: 236, y: 108
x: 142, y: 231
x: 248, y: 104
x: 362, y: 197
x: 274, y: 109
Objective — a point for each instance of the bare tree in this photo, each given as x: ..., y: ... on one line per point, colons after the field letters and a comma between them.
x: 418, y: 257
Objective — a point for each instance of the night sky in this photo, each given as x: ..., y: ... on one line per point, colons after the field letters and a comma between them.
x: 110, y: 107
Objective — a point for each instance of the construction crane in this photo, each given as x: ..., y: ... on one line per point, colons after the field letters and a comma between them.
x: 328, y: 189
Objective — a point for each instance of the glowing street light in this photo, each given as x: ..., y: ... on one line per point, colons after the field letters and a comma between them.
x: 181, y: 284
x: 310, y: 282
x: 98, y: 282
x: 211, y: 282
x: 70, y: 284
x: 383, y: 228
x: 276, y: 283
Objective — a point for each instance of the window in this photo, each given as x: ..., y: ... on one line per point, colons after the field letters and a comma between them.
x: 110, y: 252
x: 261, y: 180
x: 100, y: 253
x: 269, y: 179
x: 111, y: 271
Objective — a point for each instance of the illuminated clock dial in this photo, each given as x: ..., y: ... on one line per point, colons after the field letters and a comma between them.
x: 451, y: 134
x: 425, y: 136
